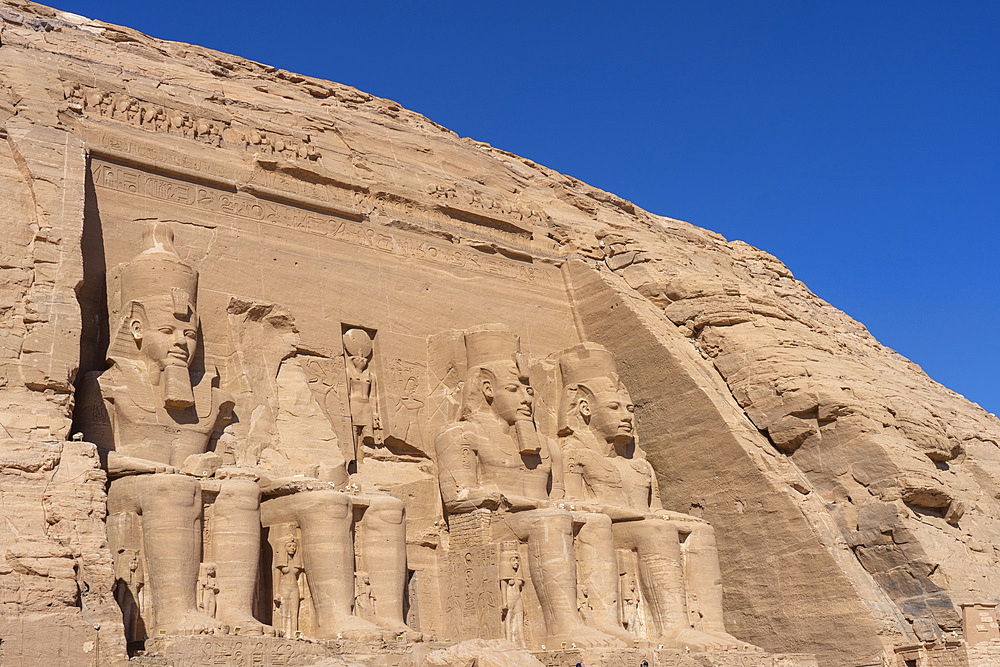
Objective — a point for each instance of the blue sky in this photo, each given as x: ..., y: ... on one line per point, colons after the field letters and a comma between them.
x: 859, y: 142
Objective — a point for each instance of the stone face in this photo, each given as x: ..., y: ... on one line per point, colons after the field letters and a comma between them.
x: 297, y: 326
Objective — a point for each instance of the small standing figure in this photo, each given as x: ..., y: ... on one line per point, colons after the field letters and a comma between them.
x: 405, y: 415
x: 128, y: 591
x: 583, y: 599
x: 364, y: 600
x: 630, y: 608
x: 513, y: 606
x: 362, y: 391
x: 289, y: 597
x: 207, y: 589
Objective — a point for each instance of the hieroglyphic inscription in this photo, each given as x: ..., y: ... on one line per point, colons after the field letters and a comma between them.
x: 473, y: 593
x: 212, y: 201
x: 235, y: 651
x: 592, y: 657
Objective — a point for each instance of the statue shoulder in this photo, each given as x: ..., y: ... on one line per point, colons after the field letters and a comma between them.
x: 459, y: 433
x: 108, y: 383
x: 93, y: 417
x: 574, y: 451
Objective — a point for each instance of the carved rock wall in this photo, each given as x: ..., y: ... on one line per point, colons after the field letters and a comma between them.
x: 853, y: 497
x: 56, y: 602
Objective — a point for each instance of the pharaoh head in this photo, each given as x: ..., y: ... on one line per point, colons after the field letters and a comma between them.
x: 158, y: 301
x: 497, y: 382
x: 593, y: 399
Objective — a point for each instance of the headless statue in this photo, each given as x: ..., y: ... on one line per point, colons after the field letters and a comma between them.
x: 152, y: 418
x: 494, y: 459
x: 607, y: 473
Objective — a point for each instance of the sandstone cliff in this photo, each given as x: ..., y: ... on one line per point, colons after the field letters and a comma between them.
x: 855, y: 499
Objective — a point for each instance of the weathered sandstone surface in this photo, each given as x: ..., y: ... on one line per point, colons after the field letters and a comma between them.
x: 854, y: 500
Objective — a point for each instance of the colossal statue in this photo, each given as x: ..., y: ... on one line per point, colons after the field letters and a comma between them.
x: 152, y: 418
x: 607, y: 473
x: 153, y: 413
x: 493, y: 459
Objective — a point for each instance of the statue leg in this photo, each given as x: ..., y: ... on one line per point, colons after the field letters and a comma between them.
x: 597, y: 569
x: 382, y: 536
x: 661, y: 580
x: 552, y: 566
x: 326, y: 521
x: 170, y: 506
x: 236, y: 552
x: 703, y: 579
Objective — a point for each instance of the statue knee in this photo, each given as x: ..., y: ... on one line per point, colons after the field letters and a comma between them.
x: 334, y: 504
x: 600, y: 521
x: 241, y: 494
x: 552, y: 519
x: 699, y: 534
x: 386, y: 508
x: 168, y: 491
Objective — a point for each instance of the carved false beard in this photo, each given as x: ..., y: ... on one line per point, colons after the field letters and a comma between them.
x: 177, y: 391
x: 528, y: 441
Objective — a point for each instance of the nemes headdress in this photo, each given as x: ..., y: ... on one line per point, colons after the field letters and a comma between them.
x: 487, y: 346
x: 156, y: 272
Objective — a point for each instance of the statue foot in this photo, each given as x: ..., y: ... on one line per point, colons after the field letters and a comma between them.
x: 582, y: 635
x: 616, y: 631
x: 191, y: 623
x: 700, y: 641
x: 346, y: 626
x: 248, y: 625
x: 397, y: 628
x: 737, y: 643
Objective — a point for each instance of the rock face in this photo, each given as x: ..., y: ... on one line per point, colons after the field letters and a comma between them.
x: 362, y: 291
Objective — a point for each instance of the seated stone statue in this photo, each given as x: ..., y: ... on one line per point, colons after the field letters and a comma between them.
x: 494, y: 459
x: 152, y: 418
x: 308, y: 497
x: 607, y: 473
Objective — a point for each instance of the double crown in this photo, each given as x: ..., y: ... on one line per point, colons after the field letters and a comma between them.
x: 586, y: 362
x: 159, y: 271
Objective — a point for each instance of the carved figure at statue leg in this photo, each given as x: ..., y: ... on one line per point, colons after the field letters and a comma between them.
x: 325, y: 519
x: 552, y: 565
x: 661, y: 578
x: 170, y: 509
x: 597, y: 569
x: 703, y: 579
x: 382, y: 538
